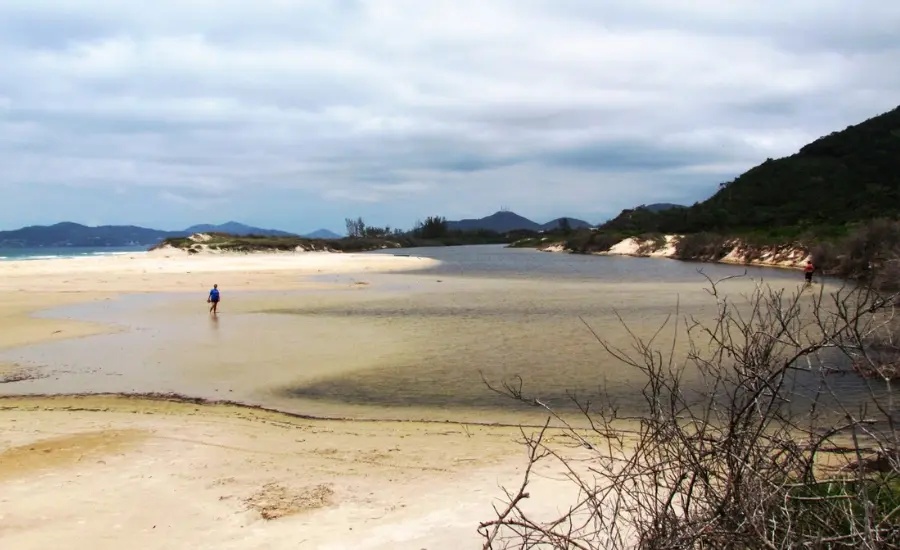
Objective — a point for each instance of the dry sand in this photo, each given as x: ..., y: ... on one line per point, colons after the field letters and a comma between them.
x: 106, y: 472
x: 177, y: 271
x: 100, y: 472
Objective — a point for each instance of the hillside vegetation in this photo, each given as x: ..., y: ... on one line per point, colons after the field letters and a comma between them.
x: 822, y: 190
x: 838, y: 199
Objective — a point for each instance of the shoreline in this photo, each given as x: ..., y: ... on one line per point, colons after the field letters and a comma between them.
x: 51, y: 401
x: 230, y: 476
x: 164, y: 271
x: 740, y: 254
x: 28, y: 287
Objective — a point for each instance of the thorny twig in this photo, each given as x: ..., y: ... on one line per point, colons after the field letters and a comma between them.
x: 726, y: 454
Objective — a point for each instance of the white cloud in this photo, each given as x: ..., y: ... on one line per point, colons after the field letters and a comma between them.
x: 408, y: 108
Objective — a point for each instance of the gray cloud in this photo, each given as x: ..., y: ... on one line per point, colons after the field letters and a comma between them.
x: 299, y: 113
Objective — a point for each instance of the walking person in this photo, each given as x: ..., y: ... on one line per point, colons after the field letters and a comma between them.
x: 808, y: 271
x: 213, y: 299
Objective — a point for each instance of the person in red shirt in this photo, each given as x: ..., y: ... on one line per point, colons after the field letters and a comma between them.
x: 808, y: 271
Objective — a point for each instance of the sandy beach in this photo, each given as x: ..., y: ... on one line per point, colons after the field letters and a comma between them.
x: 114, y: 471
x: 171, y: 270
x: 336, y: 402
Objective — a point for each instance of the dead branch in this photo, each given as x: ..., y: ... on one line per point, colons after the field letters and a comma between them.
x: 745, y: 442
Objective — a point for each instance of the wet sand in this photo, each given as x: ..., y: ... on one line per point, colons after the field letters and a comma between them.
x: 399, y: 347
x: 19, y: 328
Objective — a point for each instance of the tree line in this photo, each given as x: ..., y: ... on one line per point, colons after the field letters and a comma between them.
x: 433, y: 227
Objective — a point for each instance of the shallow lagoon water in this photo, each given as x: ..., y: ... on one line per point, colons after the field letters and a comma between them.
x: 408, y: 346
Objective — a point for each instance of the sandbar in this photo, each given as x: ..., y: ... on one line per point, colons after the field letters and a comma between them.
x: 27, y: 286
x: 168, y: 270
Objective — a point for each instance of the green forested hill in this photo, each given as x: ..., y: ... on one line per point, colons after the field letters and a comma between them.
x: 845, y: 177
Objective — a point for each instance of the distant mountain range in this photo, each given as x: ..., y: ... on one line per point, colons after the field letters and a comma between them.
x: 505, y: 221
x: 235, y: 228
x: 74, y: 234
x: 574, y: 223
x: 322, y: 234
x: 499, y: 221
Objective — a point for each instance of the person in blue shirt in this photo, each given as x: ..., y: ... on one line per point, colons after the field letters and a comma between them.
x: 213, y: 299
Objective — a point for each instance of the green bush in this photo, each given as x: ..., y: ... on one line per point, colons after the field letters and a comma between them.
x: 838, y: 508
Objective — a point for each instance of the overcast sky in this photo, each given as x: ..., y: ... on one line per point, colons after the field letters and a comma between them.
x: 296, y: 114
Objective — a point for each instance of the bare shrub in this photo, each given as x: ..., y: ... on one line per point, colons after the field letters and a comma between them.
x: 744, y: 443
x: 702, y: 247
x: 587, y: 241
x: 825, y: 256
x: 879, y: 353
x: 870, y: 254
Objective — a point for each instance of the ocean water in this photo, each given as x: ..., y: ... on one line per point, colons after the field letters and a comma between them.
x: 49, y: 252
